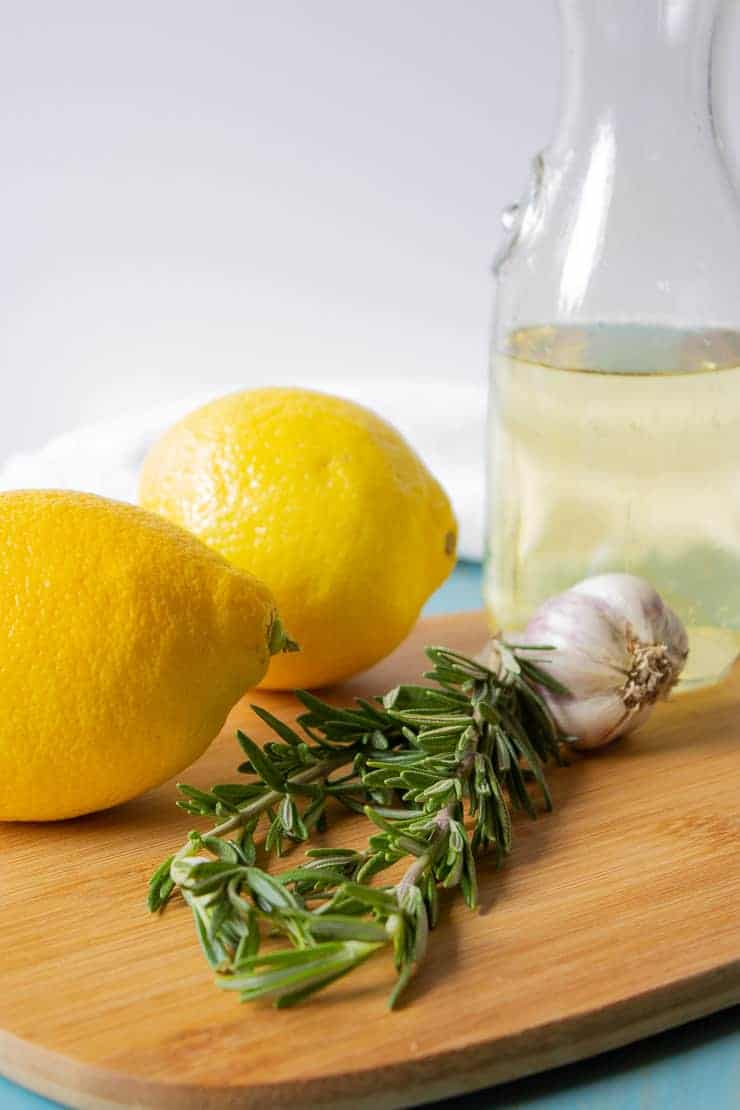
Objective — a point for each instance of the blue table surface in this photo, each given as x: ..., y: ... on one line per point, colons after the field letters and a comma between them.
x: 683, y: 1069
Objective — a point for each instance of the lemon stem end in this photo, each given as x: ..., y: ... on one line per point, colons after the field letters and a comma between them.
x: 279, y: 640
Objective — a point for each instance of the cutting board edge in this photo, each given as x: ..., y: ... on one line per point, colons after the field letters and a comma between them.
x: 404, y: 1084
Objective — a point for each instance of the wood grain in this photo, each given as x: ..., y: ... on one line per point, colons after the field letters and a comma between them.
x: 615, y: 917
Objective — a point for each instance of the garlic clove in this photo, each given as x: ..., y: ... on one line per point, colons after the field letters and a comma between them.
x: 591, y: 650
x: 594, y: 720
x: 626, y: 595
x: 640, y: 604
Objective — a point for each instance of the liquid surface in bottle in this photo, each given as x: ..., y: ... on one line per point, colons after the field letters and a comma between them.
x: 617, y: 448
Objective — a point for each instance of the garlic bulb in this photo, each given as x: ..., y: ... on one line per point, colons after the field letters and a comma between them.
x: 619, y: 650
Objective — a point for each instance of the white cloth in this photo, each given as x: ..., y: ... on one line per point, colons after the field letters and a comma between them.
x: 445, y: 423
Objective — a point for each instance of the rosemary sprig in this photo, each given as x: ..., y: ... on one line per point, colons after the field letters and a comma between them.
x: 436, y: 769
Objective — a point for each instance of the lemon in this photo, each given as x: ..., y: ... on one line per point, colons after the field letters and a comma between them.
x: 322, y: 500
x: 125, y: 642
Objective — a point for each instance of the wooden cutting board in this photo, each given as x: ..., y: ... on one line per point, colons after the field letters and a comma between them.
x: 615, y: 917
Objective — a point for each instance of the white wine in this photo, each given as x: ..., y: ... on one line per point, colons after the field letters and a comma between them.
x: 617, y: 448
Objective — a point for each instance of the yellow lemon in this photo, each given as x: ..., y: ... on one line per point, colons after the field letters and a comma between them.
x: 323, y: 501
x: 125, y: 642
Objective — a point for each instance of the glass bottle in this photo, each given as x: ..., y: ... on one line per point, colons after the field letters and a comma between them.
x: 614, y: 418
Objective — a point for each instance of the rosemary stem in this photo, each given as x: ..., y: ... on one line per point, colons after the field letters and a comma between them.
x: 272, y: 797
x: 418, y: 868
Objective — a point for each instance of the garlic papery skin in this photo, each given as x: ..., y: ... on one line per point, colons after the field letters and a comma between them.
x: 618, y: 649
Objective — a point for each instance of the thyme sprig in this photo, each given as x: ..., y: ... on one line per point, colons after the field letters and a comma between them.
x: 437, y: 770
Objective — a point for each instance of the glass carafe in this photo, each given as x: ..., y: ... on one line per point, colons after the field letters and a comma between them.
x: 615, y: 382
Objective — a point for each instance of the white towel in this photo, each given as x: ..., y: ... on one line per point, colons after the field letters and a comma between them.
x: 445, y: 423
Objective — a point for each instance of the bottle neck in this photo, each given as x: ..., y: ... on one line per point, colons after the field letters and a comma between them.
x: 639, y: 69
x: 632, y: 215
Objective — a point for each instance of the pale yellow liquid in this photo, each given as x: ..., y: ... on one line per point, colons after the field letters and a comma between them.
x: 617, y: 448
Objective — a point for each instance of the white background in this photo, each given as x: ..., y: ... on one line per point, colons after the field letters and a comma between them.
x: 266, y: 190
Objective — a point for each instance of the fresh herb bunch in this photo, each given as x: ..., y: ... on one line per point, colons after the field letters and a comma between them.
x: 437, y: 770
